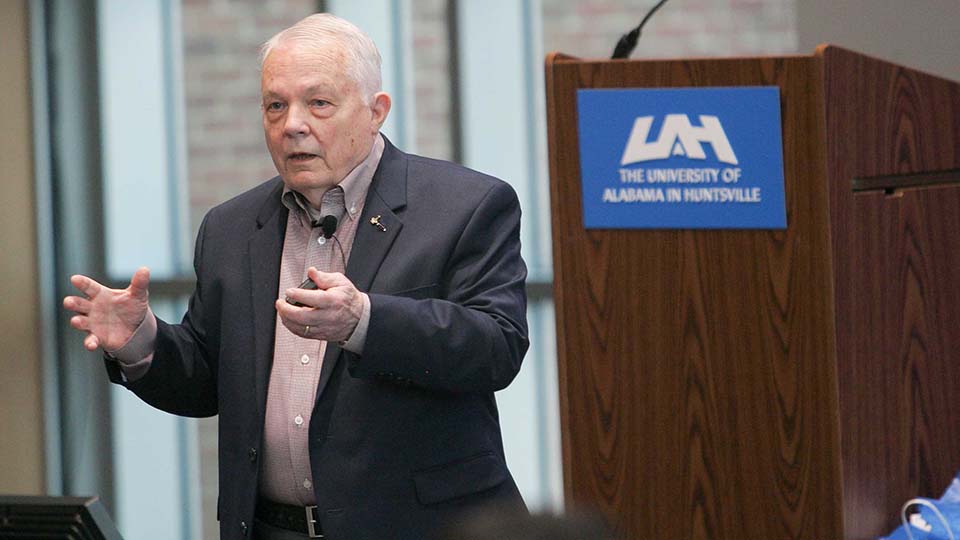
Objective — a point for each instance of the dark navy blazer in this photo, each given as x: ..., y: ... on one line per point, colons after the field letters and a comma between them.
x: 407, y: 435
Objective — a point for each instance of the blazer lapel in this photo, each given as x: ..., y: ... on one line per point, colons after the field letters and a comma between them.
x: 265, y: 250
x: 372, y: 241
x: 387, y: 195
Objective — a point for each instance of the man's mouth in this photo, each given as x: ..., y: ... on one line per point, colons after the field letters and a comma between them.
x: 301, y: 156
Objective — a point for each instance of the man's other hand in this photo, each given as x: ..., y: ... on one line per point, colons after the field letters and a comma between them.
x: 108, y: 316
x: 331, y: 312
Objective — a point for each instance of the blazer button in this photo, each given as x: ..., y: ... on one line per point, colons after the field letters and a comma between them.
x: 252, y: 454
x: 243, y: 527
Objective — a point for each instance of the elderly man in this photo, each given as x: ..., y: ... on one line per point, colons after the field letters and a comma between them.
x: 351, y: 320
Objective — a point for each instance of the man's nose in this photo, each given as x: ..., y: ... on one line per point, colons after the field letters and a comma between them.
x: 296, y: 124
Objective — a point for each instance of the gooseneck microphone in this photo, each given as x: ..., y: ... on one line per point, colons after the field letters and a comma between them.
x: 328, y: 224
x: 629, y: 40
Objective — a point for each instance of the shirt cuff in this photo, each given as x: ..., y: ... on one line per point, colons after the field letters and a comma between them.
x: 136, y: 355
x: 359, y: 338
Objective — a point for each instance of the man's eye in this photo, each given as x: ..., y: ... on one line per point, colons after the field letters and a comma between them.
x: 274, y: 106
x: 319, y: 103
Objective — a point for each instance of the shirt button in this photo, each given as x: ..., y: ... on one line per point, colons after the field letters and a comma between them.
x: 307, y: 484
x: 298, y: 420
x: 321, y: 240
x: 252, y: 454
x: 305, y: 359
x: 243, y: 527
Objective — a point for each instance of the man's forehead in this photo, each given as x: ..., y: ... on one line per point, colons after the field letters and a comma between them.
x: 280, y: 87
x: 308, y: 55
x: 305, y: 68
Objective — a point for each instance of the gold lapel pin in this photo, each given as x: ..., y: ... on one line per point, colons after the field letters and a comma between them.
x: 375, y: 221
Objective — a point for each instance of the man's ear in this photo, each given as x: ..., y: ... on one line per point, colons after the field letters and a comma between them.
x: 381, y: 108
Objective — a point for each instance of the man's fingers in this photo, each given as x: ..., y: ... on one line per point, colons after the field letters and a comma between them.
x: 309, y: 298
x: 326, y: 280
x: 297, y: 329
x: 294, y: 314
x: 91, y: 342
x: 140, y: 281
x: 291, y: 317
x: 296, y: 295
x: 80, y: 322
x: 85, y: 285
x: 77, y: 304
x: 324, y: 324
x: 295, y: 318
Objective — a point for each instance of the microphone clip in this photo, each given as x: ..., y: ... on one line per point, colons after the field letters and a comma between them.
x: 328, y: 224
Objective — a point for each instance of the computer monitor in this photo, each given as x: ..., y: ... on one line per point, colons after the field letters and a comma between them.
x: 55, y: 518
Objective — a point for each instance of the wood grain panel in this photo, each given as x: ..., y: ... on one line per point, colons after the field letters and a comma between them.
x: 898, y: 291
x: 697, y: 368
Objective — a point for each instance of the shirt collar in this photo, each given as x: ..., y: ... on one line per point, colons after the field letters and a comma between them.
x: 355, y: 186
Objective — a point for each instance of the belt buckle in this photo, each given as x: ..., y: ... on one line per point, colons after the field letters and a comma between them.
x: 312, y: 522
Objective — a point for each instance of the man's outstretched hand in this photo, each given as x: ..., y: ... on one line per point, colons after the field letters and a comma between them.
x: 108, y: 316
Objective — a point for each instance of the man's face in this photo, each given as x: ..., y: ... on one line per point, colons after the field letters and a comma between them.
x: 315, y: 121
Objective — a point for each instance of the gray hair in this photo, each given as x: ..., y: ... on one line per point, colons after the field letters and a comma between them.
x: 323, y: 30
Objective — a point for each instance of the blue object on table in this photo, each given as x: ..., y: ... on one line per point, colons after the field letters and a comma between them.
x: 937, y: 519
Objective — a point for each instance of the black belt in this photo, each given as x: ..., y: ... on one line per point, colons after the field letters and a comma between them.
x: 301, y: 519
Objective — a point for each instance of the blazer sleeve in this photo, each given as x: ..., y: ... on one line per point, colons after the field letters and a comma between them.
x: 474, y: 338
x: 182, y: 376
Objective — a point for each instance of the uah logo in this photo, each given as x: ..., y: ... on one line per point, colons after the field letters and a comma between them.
x: 677, y: 138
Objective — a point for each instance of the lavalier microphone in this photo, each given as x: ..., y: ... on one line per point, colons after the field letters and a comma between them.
x: 328, y: 224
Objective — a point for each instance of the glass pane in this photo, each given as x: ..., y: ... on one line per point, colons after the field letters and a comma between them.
x: 141, y: 158
x: 433, y: 124
x: 502, y: 104
x: 501, y: 109
x: 155, y: 464
x: 530, y: 417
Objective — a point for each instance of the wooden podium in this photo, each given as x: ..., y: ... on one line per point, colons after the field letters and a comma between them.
x: 760, y: 384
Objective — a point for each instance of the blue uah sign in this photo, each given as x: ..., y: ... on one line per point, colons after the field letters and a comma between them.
x: 681, y: 158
